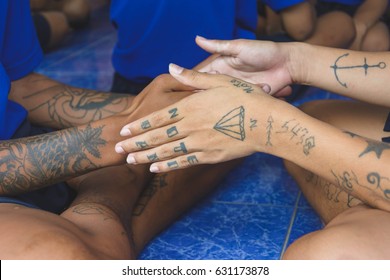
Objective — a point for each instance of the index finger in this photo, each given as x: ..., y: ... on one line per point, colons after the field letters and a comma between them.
x: 154, y: 120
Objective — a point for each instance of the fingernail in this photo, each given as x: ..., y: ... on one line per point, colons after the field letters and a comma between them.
x: 119, y: 149
x: 266, y: 88
x: 153, y: 168
x: 125, y: 132
x: 200, y: 37
x: 130, y: 159
x: 175, y: 69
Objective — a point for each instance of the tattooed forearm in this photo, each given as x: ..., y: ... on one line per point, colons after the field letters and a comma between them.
x: 240, y: 84
x: 68, y: 107
x: 331, y: 191
x: 376, y: 147
x: 232, y: 124
x: 374, y: 182
x: 365, y: 66
x: 298, y: 134
x: 38, y: 161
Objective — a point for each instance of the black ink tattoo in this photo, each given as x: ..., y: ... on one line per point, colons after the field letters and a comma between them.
x: 270, y: 122
x: 38, y: 161
x: 353, y: 135
x: 376, y: 147
x: 145, y: 125
x: 192, y: 160
x: 172, y: 131
x: 331, y: 191
x: 336, y: 68
x: 253, y: 123
x: 94, y: 209
x: 153, y: 157
x: 232, y: 124
x: 172, y: 164
x: 299, y: 134
x: 158, y: 182
x: 173, y: 113
x: 348, y: 181
x: 240, y: 84
x: 141, y: 144
x: 68, y: 106
x: 181, y: 148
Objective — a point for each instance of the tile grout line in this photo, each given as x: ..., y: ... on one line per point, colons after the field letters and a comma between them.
x: 81, y: 50
x: 290, y: 225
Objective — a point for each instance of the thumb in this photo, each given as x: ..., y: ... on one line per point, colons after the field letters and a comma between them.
x: 223, y: 47
x: 193, y: 78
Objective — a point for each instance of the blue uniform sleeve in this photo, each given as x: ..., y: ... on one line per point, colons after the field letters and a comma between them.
x: 20, y: 52
x: 278, y: 5
x: 246, y: 19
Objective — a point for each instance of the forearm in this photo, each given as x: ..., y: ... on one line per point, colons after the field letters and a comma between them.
x: 356, y: 165
x: 56, y: 105
x: 359, y: 75
x: 38, y: 161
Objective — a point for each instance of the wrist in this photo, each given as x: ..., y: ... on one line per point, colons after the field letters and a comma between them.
x: 295, y: 63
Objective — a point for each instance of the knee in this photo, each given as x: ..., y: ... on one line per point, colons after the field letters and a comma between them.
x: 322, y: 245
x: 377, y: 39
x: 54, y: 244
x: 77, y: 12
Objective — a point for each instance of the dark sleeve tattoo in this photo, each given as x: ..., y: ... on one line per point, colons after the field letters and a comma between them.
x: 38, y: 161
x: 67, y: 106
x: 337, y: 68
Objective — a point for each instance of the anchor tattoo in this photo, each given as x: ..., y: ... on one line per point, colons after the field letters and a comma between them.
x: 365, y: 66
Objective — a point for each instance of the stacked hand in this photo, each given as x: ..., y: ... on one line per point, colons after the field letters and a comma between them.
x: 219, y: 123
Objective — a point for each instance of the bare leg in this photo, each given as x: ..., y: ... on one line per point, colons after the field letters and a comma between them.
x: 353, y: 230
x: 170, y: 195
x: 377, y: 38
x: 334, y: 29
x: 94, y: 227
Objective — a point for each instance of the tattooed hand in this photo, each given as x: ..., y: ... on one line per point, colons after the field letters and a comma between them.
x: 214, y: 125
x: 257, y: 62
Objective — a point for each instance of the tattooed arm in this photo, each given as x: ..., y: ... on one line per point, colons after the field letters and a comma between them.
x: 359, y: 75
x: 35, y: 162
x: 56, y: 105
x: 231, y: 118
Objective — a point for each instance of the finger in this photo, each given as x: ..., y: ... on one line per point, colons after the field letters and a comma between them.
x: 223, y: 47
x: 160, y: 153
x: 196, y: 79
x: 180, y: 162
x: 149, y: 139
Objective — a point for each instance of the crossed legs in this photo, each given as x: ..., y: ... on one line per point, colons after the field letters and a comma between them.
x: 352, y: 229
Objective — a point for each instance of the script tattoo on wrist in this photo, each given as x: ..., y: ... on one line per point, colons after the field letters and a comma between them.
x: 299, y: 134
x: 248, y: 88
x: 365, y: 66
x: 232, y: 124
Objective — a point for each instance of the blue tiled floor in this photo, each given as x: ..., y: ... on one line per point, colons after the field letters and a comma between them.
x: 256, y: 212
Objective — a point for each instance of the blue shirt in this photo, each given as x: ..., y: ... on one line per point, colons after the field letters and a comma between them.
x: 154, y: 33
x: 278, y: 5
x: 20, y: 53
